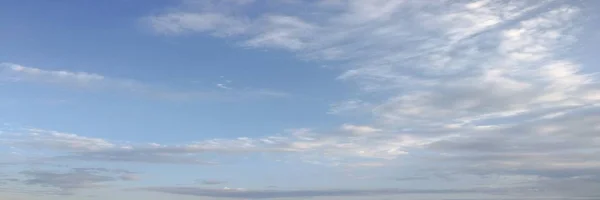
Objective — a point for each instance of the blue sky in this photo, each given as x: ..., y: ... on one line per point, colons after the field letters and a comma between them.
x: 332, y: 99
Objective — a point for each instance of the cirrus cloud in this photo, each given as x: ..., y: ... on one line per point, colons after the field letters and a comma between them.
x: 482, y: 86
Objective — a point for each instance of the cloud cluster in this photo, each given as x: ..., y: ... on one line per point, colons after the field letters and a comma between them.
x: 555, y: 150
x: 432, y: 55
x: 487, y: 87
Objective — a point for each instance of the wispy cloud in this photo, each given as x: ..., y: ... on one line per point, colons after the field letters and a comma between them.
x: 311, y: 145
x: 481, y: 89
x: 18, y: 73
x: 494, y: 39
x: 356, y: 129
x: 224, y: 83
x: 177, y: 23
x: 75, y: 179
x: 44, y: 139
x: 223, y: 86
x: 484, y: 85
x: 350, y: 106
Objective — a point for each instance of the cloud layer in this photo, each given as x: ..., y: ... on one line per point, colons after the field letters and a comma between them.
x: 486, y: 87
x: 273, y: 194
x: 468, y: 92
x: 75, y: 179
x: 351, y: 142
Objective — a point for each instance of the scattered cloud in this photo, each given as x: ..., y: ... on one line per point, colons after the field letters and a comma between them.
x: 492, y: 46
x: 223, y: 86
x: 480, y: 89
x: 486, y: 87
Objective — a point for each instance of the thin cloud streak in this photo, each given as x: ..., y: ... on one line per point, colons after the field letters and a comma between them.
x: 16, y: 73
x: 301, y: 141
x: 273, y: 194
x: 75, y: 179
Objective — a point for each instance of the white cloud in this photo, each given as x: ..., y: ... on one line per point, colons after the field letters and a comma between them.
x: 552, y: 150
x: 19, y: 73
x: 449, y: 49
x: 306, y: 143
x: 223, y: 86
x: 45, y: 139
x: 465, y: 43
x: 484, y: 84
x: 224, y: 83
x: 355, y: 129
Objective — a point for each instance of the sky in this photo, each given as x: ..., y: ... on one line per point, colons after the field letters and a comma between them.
x: 300, y: 99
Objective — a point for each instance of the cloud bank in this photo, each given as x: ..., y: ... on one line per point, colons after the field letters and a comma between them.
x: 487, y: 87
